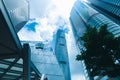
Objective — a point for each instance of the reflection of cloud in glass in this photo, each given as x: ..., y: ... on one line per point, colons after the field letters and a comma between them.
x: 38, y: 8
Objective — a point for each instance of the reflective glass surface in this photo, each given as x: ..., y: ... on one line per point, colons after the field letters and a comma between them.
x: 18, y: 11
x: 96, y: 19
x: 111, y: 6
x: 45, y: 61
x: 92, y: 17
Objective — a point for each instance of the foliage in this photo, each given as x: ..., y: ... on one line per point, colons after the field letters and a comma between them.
x: 101, y: 51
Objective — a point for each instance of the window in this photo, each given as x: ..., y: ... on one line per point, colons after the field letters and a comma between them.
x: 61, y: 44
x: 61, y: 36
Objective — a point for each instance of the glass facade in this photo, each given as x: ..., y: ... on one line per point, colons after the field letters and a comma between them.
x: 62, y: 54
x: 15, y: 59
x: 96, y: 19
x: 9, y: 70
x: 77, y: 23
x: 115, y: 2
x: 112, y: 6
x: 83, y: 15
x: 18, y: 12
x: 45, y: 60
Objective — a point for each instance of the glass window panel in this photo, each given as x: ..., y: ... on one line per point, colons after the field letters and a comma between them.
x: 18, y: 10
x: 117, y: 35
x: 1, y: 72
x: 55, y: 77
x: 54, y: 60
x: 3, y: 66
x: 11, y: 60
x: 40, y: 66
x: 13, y: 74
x: 17, y: 69
x: 20, y: 61
x: 33, y: 72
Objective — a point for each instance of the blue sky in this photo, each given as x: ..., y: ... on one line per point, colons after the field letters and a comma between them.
x: 46, y: 16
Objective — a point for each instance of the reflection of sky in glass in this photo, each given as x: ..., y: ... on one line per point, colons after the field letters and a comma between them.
x: 18, y: 10
x: 84, y: 10
x: 11, y: 6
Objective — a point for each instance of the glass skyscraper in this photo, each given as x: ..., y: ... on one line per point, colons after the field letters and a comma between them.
x: 25, y: 60
x: 15, y: 58
x: 62, y: 53
x: 82, y: 15
x: 111, y: 7
x: 53, y: 63
x: 17, y: 11
x: 45, y: 60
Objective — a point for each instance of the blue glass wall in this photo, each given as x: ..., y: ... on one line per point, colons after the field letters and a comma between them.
x: 77, y: 23
x: 83, y: 15
x: 62, y: 54
x: 45, y: 60
x: 95, y: 19
x: 112, y: 6
x: 18, y: 11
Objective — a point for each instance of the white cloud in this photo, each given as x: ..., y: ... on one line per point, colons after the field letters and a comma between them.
x: 64, y: 6
x: 43, y: 30
x: 55, y: 16
x: 25, y: 34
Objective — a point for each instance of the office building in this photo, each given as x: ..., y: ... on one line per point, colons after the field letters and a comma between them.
x: 44, y: 59
x: 15, y: 58
x: 17, y: 12
x: 62, y: 53
x: 25, y: 60
x: 110, y: 7
x: 84, y: 14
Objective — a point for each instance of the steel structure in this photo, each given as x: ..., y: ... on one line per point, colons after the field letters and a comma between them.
x: 15, y: 59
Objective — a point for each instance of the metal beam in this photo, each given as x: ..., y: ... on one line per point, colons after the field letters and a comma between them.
x: 8, y: 56
x: 18, y: 78
x: 35, y: 69
x: 10, y: 66
x: 10, y: 26
x: 26, y: 62
x: 9, y: 76
x: 11, y: 71
x: 9, y: 62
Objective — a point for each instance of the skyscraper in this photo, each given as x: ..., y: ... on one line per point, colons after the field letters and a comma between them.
x: 19, y: 61
x: 15, y: 59
x: 53, y: 63
x: 62, y: 53
x: 110, y: 7
x: 18, y: 13
x: 84, y: 14
x: 45, y: 60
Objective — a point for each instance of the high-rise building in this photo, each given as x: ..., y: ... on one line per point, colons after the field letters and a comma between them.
x: 110, y: 7
x: 53, y: 63
x: 62, y: 53
x: 16, y: 11
x: 15, y: 58
x: 28, y: 60
x: 84, y: 14
x: 44, y: 59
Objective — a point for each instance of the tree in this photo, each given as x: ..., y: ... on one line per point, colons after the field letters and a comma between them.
x: 101, y: 51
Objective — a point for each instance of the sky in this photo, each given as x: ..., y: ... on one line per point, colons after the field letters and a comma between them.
x: 46, y: 16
